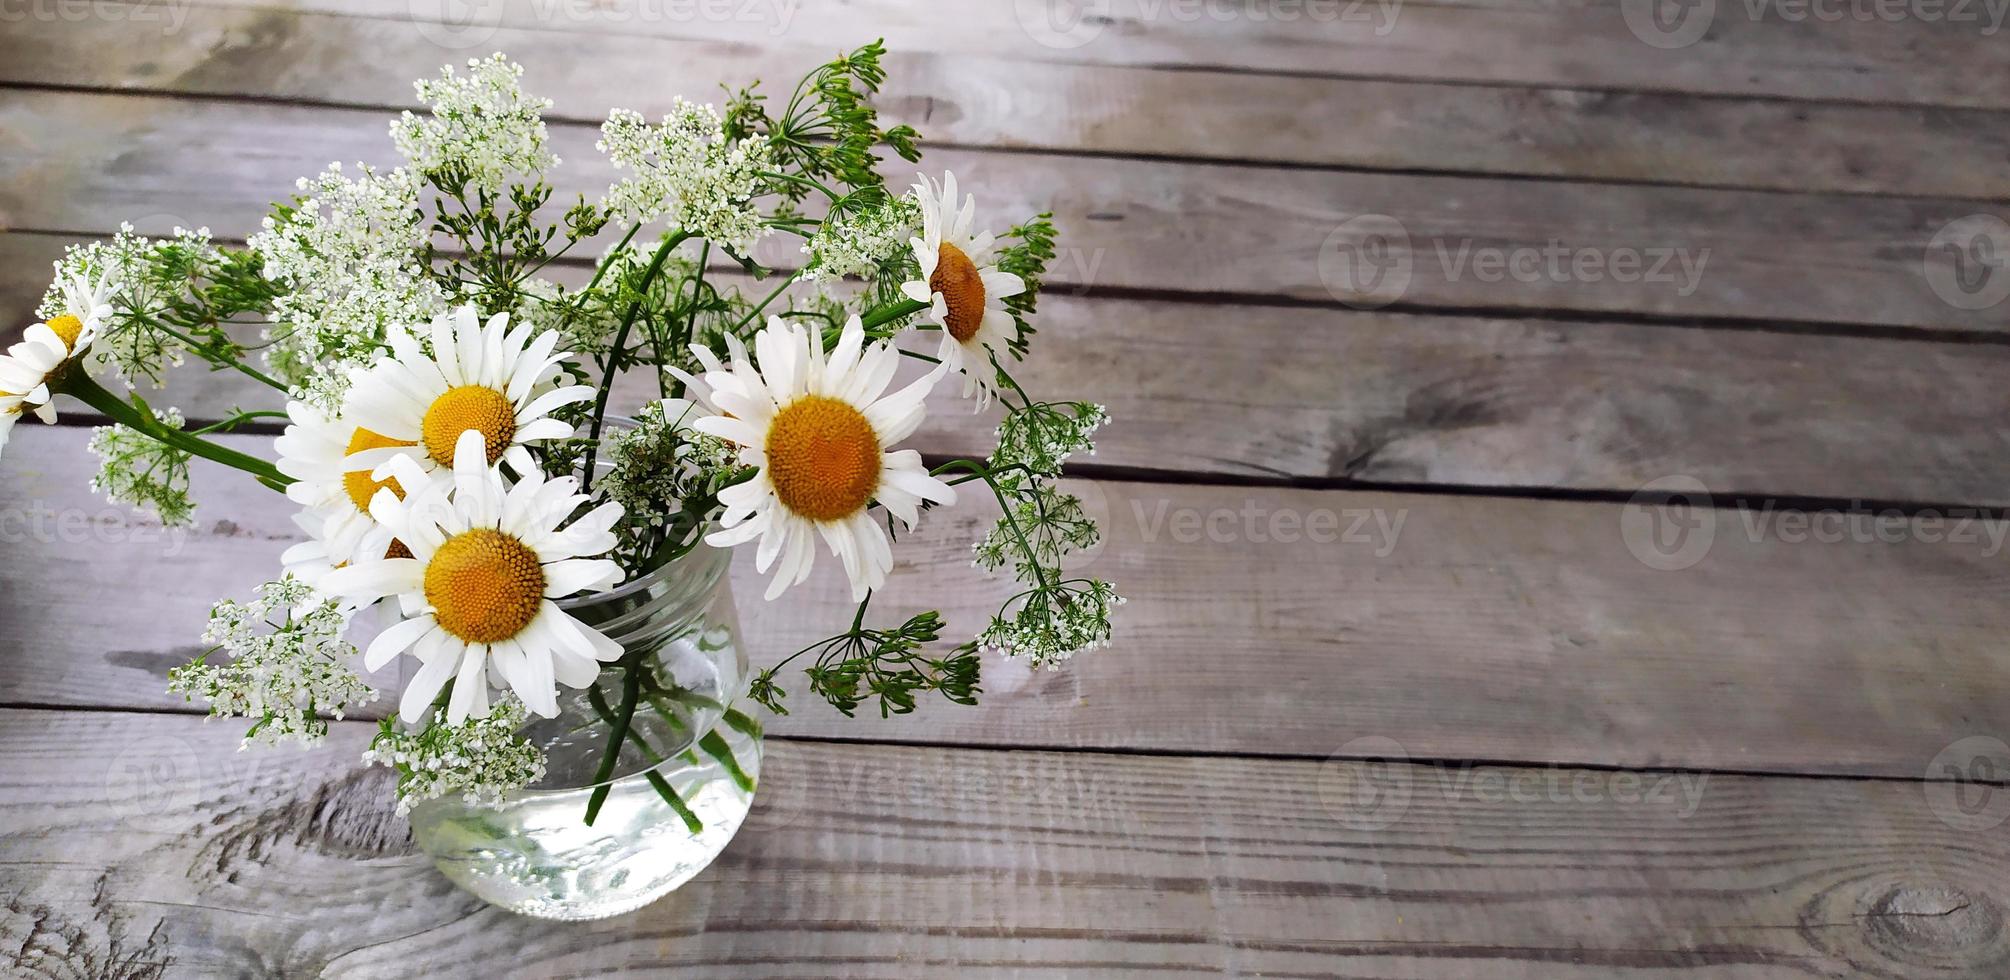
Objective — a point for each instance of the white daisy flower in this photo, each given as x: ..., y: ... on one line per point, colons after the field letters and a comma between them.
x: 477, y: 593
x: 961, y: 289
x: 501, y: 384
x: 334, y: 494
x: 816, y: 428
x: 27, y: 367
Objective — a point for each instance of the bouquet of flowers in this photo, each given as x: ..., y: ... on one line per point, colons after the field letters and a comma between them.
x: 446, y: 423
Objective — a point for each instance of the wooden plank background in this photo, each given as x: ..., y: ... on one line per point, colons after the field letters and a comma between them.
x: 1485, y: 730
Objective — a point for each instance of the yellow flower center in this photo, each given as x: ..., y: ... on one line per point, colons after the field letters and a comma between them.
x: 361, y: 488
x: 476, y: 407
x: 962, y: 291
x: 69, y: 328
x: 823, y: 458
x: 485, y: 586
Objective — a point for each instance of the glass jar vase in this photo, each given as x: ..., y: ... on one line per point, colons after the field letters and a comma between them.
x: 534, y: 853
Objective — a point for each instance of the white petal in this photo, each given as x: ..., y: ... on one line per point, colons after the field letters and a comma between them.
x: 730, y: 429
x: 572, y: 575
x: 469, y: 685
x: 475, y: 491
x: 543, y: 429
x: 426, y: 683
x: 998, y: 285
x: 544, y: 404
x: 376, y: 579
x: 531, y: 364
x: 395, y: 640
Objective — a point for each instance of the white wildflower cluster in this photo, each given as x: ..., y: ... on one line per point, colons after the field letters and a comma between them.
x: 1042, y: 436
x: 482, y: 759
x: 139, y: 471
x: 289, y: 664
x: 687, y: 171
x: 655, y: 470
x: 1054, y: 625
x: 482, y: 127
x: 325, y: 388
x: 348, y: 255
x: 860, y: 241
x: 151, y: 275
x: 1057, y: 616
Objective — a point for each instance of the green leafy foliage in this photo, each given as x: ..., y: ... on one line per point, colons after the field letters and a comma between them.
x: 828, y: 131
x: 891, y: 666
x: 1025, y: 251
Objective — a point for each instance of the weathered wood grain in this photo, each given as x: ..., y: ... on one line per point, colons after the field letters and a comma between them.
x: 1261, y: 621
x: 1421, y: 399
x: 981, y: 101
x: 89, y: 161
x: 1906, y: 59
x: 886, y: 861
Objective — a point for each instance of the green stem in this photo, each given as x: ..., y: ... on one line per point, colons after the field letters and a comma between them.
x: 631, y: 689
x: 1039, y: 574
x: 598, y: 272
x: 79, y: 385
x: 801, y: 182
x: 964, y: 464
x: 690, y: 323
x: 203, y: 351
x: 756, y: 311
x: 236, y: 420
x: 656, y: 781
x: 670, y: 242
x: 716, y: 746
x: 891, y: 312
